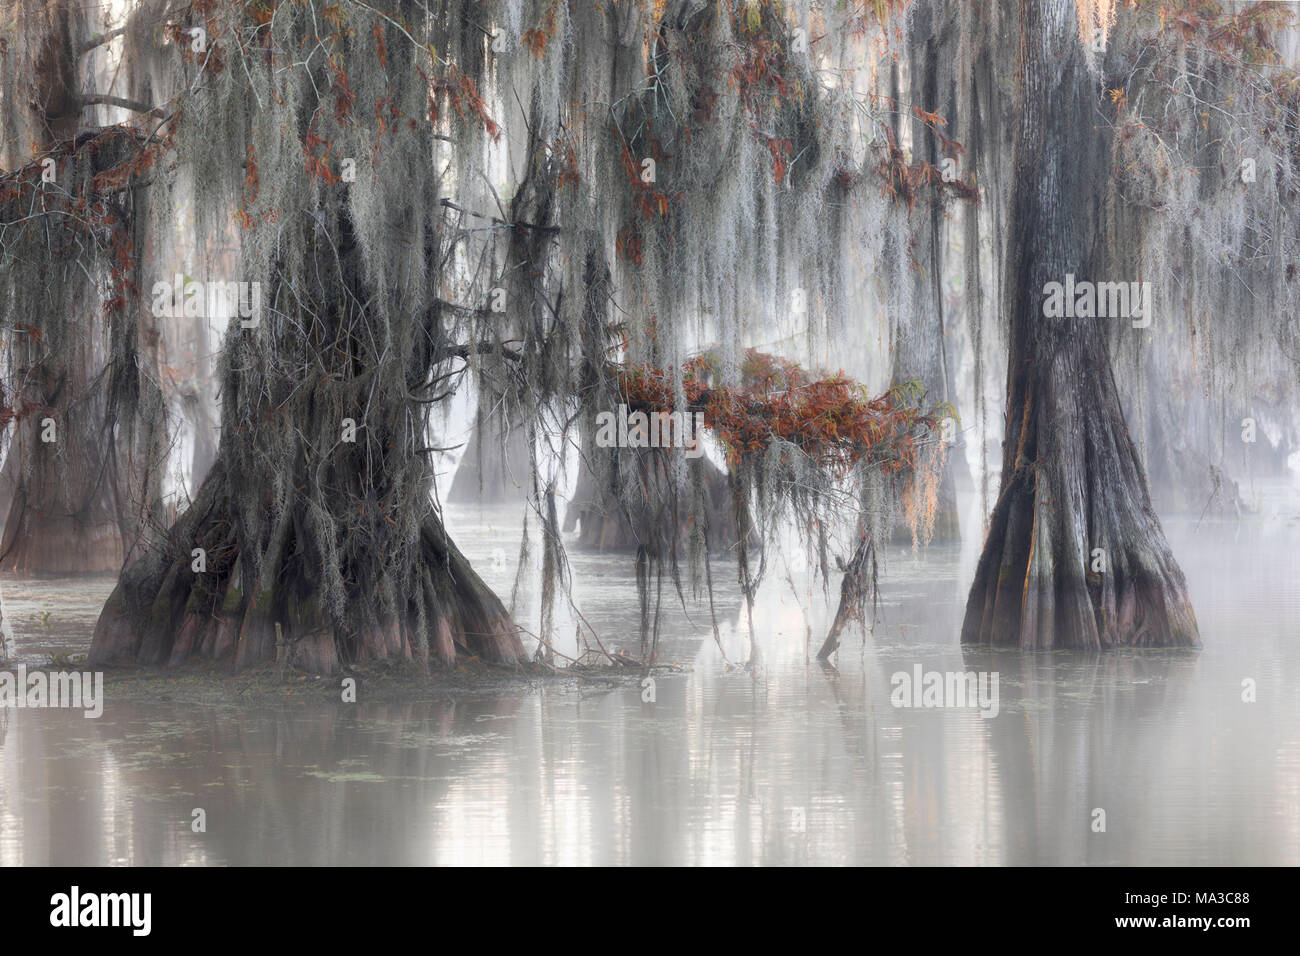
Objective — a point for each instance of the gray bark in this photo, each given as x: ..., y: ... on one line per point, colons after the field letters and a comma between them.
x: 1071, y: 478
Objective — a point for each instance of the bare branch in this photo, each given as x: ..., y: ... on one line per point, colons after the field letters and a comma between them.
x: 106, y: 99
x: 500, y: 222
x: 99, y: 39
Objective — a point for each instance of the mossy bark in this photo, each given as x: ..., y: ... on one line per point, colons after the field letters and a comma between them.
x: 164, y: 613
x: 1075, y: 556
x: 61, y: 516
x: 496, y: 466
x: 317, y: 514
x: 610, y: 519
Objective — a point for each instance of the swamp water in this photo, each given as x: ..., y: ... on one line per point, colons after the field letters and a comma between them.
x: 803, y: 765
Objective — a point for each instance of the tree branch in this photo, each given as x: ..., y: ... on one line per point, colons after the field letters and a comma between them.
x: 464, y: 351
x: 105, y: 99
x: 500, y: 222
x: 99, y: 39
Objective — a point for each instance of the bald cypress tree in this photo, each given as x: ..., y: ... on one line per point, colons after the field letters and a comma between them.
x: 1107, y: 196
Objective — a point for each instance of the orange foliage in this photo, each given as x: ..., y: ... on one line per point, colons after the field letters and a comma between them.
x: 1252, y: 32
x: 463, y: 96
x: 829, y: 418
x: 89, y: 208
x: 904, y: 181
x: 537, y: 38
x: 628, y: 245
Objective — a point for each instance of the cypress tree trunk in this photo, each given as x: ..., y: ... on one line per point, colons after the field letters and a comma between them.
x: 919, y: 339
x: 6, y: 634
x: 498, y: 462
x: 61, y: 517
x: 162, y: 612
x: 9, y: 472
x: 317, y: 514
x: 314, y: 539
x: 1179, y: 425
x: 606, y: 523
x: 1071, y: 478
x: 496, y: 467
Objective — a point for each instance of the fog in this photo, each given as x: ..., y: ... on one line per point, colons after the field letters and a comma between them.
x: 797, y: 763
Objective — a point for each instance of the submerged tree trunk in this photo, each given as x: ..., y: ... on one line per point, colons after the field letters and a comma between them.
x: 919, y: 339
x: 6, y: 633
x: 1186, y: 467
x: 9, y: 472
x: 858, y: 584
x: 61, y: 517
x: 1075, y: 556
x: 164, y: 613
x: 919, y: 354
x: 317, y: 515
x: 605, y: 523
x: 496, y: 466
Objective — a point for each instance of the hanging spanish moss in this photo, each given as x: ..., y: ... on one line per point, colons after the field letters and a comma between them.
x: 773, y: 218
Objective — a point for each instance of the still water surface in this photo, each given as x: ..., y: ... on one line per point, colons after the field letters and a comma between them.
x: 802, y: 765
